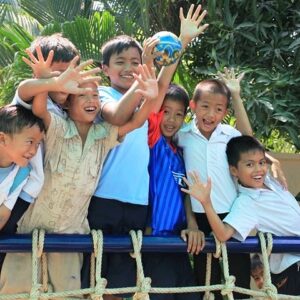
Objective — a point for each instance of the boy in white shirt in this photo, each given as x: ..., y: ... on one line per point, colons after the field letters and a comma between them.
x: 20, y: 135
x: 260, y: 205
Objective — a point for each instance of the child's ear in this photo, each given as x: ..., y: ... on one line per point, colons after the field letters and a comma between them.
x: 233, y: 170
x: 2, y: 138
x: 105, y: 70
x: 192, y: 105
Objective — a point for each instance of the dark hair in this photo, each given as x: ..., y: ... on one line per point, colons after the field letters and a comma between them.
x: 179, y: 94
x: 13, y: 118
x: 256, y: 262
x: 64, y: 49
x: 116, y: 45
x: 241, y: 144
x: 214, y: 86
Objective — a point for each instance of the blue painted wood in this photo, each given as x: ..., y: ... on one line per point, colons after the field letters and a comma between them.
x: 83, y: 243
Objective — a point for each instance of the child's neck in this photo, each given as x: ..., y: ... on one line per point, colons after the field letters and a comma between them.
x: 83, y: 130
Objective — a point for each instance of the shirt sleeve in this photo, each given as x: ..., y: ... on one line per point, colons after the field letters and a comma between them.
x: 242, y: 217
x: 154, y: 132
x: 18, y: 101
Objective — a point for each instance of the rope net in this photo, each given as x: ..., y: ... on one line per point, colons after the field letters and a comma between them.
x: 42, y: 290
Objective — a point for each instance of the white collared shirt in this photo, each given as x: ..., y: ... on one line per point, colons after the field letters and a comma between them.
x: 273, y: 210
x: 208, y: 157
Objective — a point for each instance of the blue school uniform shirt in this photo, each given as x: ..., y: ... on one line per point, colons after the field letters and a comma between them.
x: 125, y: 175
x: 166, y: 169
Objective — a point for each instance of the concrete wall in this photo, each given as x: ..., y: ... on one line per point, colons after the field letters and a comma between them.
x: 290, y: 164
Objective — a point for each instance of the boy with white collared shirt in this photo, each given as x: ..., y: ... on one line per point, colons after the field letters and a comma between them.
x: 204, y: 142
x: 260, y: 205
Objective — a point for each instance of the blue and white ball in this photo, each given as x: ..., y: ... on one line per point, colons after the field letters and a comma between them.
x: 170, y: 47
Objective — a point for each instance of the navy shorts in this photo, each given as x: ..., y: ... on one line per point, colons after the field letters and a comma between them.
x: 239, y: 263
x: 114, y: 218
x: 170, y: 270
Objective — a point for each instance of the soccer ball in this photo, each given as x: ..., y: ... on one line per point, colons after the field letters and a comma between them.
x: 170, y: 47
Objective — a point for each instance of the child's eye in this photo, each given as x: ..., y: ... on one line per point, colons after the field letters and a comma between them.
x: 179, y: 115
x: 263, y: 162
x: 166, y: 112
x: 136, y: 64
x: 249, y: 165
x: 219, y: 110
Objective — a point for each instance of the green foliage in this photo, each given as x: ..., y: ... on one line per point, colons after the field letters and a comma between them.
x: 258, y: 37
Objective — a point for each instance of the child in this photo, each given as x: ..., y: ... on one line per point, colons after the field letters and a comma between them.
x: 203, y: 142
x: 75, y: 151
x: 167, y: 212
x: 257, y: 271
x: 259, y: 205
x: 121, y: 198
x: 20, y: 135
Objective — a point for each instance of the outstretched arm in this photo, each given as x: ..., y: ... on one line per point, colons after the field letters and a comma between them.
x: 190, y: 28
x: 148, y: 90
x: 39, y: 108
x: 67, y: 82
x: 201, y: 192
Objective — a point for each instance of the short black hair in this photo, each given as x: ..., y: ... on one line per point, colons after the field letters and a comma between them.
x: 215, y: 87
x: 64, y: 49
x: 256, y: 262
x: 118, y: 44
x: 241, y: 144
x: 179, y: 94
x: 13, y: 118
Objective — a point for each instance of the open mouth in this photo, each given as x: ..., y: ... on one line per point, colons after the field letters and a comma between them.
x: 90, y: 109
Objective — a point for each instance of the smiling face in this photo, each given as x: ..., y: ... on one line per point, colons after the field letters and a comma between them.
x: 20, y: 147
x: 251, y: 169
x: 121, y: 68
x: 174, y: 113
x: 210, y: 110
x: 58, y: 97
x: 83, y: 108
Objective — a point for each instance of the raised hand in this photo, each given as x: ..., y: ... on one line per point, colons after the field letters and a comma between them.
x: 232, y: 80
x: 148, y: 86
x: 41, y: 68
x: 190, y: 26
x: 148, y: 54
x: 70, y: 79
x: 197, y: 189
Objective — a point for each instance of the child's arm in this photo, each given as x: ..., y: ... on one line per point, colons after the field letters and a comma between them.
x: 148, y: 90
x: 190, y: 27
x: 201, y: 192
x: 194, y: 237
x: 39, y: 108
x: 242, y: 120
x: 233, y: 82
x: 4, y: 215
x: 66, y: 82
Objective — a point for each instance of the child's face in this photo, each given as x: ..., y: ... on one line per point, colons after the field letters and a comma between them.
x: 83, y: 108
x: 251, y: 169
x: 258, y: 276
x: 210, y: 111
x: 20, y: 147
x: 121, y: 68
x: 174, y: 113
x: 58, y: 97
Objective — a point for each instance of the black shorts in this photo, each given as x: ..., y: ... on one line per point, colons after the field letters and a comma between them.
x: 114, y: 218
x: 170, y: 270
x: 12, y: 224
x: 291, y: 276
x: 239, y: 263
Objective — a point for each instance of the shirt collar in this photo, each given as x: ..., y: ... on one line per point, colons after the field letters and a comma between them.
x: 97, y: 131
x: 270, y: 182
x: 220, y: 129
